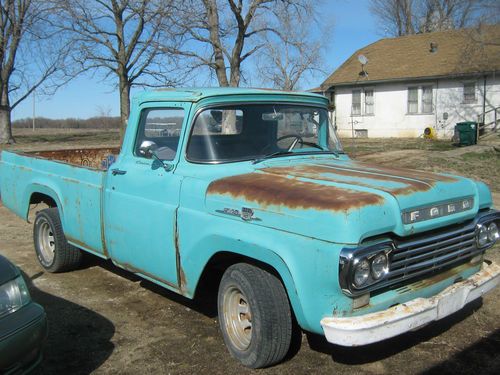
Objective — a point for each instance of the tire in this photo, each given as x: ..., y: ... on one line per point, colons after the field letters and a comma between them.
x: 254, y: 315
x: 53, y: 251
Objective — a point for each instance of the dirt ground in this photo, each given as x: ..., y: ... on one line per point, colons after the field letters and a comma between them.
x: 106, y: 321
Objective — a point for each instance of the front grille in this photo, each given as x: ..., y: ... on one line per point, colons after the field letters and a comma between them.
x: 430, y: 254
x: 418, y: 256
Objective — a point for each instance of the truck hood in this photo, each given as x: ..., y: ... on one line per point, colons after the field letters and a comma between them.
x: 338, y: 200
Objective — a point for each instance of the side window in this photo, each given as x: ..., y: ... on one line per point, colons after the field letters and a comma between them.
x: 413, y: 100
x: 470, y: 92
x: 426, y: 99
x: 162, y: 126
x: 356, y: 102
x: 368, y: 102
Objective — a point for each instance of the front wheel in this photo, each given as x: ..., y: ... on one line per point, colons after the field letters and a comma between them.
x: 254, y: 315
x: 53, y: 251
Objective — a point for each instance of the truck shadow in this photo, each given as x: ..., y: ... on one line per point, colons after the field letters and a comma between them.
x: 479, y: 358
x: 205, y: 302
x: 79, y: 340
x: 378, y: 351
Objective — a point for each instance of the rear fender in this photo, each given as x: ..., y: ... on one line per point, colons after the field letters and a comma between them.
x: 42, y: 189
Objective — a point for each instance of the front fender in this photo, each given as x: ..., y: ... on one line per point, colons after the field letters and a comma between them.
x: 308, y: 267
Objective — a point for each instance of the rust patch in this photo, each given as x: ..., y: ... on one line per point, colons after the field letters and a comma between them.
x: 133, y: 269
x: 181, y: 276
x: 319, y: 171
x: 87, y: 157
x: 439, y: 277
x: 103, y: 232
x: 273, y: 190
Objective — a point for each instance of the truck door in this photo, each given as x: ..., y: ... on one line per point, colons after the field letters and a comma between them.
x: 142, y: 196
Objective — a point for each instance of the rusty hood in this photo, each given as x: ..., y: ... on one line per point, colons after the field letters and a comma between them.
x: 325, y: 198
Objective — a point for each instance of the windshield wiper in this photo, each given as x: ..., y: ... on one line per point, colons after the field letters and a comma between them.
x: 272, y: 155
x: 282, y: 153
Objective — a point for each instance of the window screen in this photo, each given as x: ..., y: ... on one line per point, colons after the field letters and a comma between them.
x: 356, y: 102
x: 413, y: 100
x: 369, y: 102
x: 427, y: 99
x: 469, y: 92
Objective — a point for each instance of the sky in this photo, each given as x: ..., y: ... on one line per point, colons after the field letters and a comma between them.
x: 353, y: 27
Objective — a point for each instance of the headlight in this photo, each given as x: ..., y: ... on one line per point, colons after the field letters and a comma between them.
x: 493, y: 232
x: 379, y: 265
x: 361, y: 273
x: 13, y: 295
x: 482, y: 236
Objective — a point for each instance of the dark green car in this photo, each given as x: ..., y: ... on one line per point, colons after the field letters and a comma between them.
x: 23, y: 323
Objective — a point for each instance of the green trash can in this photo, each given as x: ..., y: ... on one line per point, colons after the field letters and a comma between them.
x: 466, y: 133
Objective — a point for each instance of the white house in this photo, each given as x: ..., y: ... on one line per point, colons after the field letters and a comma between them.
x: 413, y: 82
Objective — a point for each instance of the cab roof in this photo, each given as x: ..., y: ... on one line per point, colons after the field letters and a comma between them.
x: 197, y: 94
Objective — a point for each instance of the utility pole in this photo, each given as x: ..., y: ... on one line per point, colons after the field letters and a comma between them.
x: 34, y: 110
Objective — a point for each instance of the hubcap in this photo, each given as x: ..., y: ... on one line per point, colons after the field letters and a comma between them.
x: 238, y: 317
x: 46, y: 242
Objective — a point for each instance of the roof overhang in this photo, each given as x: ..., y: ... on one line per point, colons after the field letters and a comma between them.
x: 328, y: 87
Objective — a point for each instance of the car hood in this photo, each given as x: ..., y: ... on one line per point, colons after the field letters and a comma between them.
x: 7, y: 270
x: 338, y: 200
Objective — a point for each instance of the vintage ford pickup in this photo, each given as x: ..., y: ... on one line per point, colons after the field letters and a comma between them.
x: 251, y: 188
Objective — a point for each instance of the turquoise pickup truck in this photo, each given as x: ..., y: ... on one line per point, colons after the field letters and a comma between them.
x: 250, y: 188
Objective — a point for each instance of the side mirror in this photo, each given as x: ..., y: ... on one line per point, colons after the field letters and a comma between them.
x: 147, y: 148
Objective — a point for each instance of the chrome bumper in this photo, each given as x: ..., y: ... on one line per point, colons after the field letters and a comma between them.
x: 378, y: 326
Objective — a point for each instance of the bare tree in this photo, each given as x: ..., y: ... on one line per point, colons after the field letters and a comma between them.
x: 120, y: 38
x: 25, y: 31
x: 404, y: 17
x: 395, y: 15
x: 222, y: 35
x: 286, y: 59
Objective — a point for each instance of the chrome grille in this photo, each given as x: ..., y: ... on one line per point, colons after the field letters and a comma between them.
x: 427, y: 254
x: 417, y: 256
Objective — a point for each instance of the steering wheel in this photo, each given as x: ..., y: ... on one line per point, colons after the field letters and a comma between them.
x: 296, y: 139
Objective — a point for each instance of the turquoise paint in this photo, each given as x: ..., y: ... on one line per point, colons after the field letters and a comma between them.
x: 134, y: 218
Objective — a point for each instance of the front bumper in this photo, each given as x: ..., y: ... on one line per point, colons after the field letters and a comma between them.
x: 22, y: 335
x: 378, y: 326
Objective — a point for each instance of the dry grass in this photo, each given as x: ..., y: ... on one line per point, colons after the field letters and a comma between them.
x: 27, y: 139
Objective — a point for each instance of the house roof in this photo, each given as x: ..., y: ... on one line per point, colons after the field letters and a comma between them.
x: 459, y: 52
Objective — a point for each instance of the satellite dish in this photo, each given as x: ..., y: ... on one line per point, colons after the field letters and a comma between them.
x: 362, y: 59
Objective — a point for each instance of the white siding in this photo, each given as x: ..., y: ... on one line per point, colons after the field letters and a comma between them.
x: 391, y: 117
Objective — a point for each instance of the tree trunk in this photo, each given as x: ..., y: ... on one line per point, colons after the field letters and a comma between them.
x: 5, y: 120
x: 235, y: 74
x: 124, y: 105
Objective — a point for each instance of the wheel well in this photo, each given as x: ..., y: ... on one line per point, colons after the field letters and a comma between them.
x: 42, y: 198
x: 208, y: 284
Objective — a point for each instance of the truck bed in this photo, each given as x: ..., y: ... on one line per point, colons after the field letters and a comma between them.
x: 98, y: 158
x: 74, y: 180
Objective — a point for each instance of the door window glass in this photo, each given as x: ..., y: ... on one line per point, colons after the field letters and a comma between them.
x: 162, y: 126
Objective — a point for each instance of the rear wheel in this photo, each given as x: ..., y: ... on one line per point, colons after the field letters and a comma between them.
x: 53, y: 251
x: 254, y: 315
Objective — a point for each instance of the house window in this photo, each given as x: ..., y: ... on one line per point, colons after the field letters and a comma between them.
x: 469, y: 92
x: 427, y: 99
x: 356, y: 102
x: 368, y: 102
x: 413, y: 100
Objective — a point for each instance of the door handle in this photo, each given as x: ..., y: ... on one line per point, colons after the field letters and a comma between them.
x: 116, y: 172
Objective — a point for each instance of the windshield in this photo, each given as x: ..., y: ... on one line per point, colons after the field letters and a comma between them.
x: 246, y: 132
